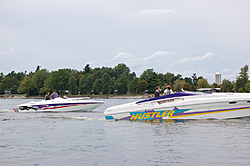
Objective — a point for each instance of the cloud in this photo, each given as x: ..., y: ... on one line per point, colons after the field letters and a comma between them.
x: 159, y: 55
x: 10, y: 51
x: 225, y: 57
x: 137, y: 63
x: 196, y: 58
x: 225, y: 70
x: 122, y: 56
x: 153, y: 12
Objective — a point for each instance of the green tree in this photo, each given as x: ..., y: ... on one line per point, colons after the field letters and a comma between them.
x: 121, y: 84
x: 187, y: 86
x: 214, y: 85
x: 86, y: 84
x: 110, y: 71
x: 14, y: 89
x: 26, y: 85
x: 177, y: 77
x: 106, y: 83
x: 192, y: 87
x: 121, y: 69
x: 20, y: 75
x: 1, y: 88
x: 132, y: 85
x: 169, y: 78
x: 72, y: 85
x: 39, y: 78
x: 151, y: 78
x: 195, y: 79
x: 242, y: 80
x: 188, y: 80
x: 60, y: 80
x: 161, y: 78
x: 97, y: 87
x: 14, y: 81
x: 178, y: 85
x: 87, y: 69
x: 247, y: 87
x: 240, y: 84
x: 7, y: 83
x: 112, y: 85
x: 202, y: 83
x: 37, y: 68
x: 57, y: 80
x: 131, y: 76
x: 244, y: 73
x: 227, y: 86
x: 146, y: 74
x: 141, y: 86
x: 47, y: 86
x: 1, y: 76
x: 97, y: 73
x: 11, y: 74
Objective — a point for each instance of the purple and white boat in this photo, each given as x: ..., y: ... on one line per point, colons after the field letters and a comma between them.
x: 184, y: 105
x: 59, y: 105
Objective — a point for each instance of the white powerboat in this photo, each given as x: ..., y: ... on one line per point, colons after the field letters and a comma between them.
x: 184, y: 105
x: 59, y: 105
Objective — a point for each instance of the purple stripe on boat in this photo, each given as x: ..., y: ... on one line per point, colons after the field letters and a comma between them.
x: 60, y: 104
x: 178, y: 94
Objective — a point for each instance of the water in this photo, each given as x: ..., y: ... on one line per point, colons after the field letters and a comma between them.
x: 88, y: 139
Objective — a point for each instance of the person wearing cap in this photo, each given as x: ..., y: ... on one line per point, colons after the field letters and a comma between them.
x: 168, y: 91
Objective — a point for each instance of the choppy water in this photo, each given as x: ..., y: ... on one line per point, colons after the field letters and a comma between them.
x: 88, y: 139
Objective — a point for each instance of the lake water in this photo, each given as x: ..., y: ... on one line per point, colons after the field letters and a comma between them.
x: 88, y: 139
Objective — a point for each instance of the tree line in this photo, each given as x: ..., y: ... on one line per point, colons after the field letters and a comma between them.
x: 107, y: 80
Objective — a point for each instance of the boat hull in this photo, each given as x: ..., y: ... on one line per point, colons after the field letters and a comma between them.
x: 219, y: 106
x: 59, y: 105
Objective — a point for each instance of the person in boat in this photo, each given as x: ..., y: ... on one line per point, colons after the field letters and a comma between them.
x: 157, y: 92
x: 47, y: 96
x: 64, y: 96
x: 168, y: 91
x: 54, y: 95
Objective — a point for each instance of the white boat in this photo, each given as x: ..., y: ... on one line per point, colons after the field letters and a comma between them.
x: 59, y: 105
x: 184, y: 105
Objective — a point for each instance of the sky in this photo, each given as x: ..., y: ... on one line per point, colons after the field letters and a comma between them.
x: 176, y: 36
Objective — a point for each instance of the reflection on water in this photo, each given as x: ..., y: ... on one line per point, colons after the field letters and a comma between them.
x: 88, y: 139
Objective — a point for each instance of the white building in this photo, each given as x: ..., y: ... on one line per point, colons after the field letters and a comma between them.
x: 218, y: 78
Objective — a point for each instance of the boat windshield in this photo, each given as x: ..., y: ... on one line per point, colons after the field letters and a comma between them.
x: 177, y: 94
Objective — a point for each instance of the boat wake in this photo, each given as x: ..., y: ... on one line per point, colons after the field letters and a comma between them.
x: 6, y: 111
x: 68, y: 117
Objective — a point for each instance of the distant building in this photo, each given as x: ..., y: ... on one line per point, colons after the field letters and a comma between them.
x: 218, y: 78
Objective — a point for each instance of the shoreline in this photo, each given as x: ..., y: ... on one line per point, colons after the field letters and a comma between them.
x: 79, y: 96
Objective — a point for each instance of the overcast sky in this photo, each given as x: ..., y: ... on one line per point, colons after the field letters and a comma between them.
x: 177, y: 36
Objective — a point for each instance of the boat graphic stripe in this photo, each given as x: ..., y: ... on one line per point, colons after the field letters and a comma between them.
x: 182, y: 114
x: 149, y: 115
x: 63, y: 106
x: 174, y: 95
